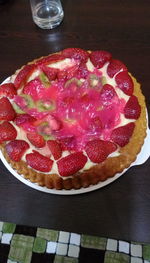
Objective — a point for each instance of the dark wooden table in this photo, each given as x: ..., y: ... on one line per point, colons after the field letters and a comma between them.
x: 122, y: 209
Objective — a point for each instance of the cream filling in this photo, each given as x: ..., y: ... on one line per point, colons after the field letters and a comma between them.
x: 21, y: 135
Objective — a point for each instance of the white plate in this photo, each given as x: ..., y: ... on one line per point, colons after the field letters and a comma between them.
x: 141, y: 158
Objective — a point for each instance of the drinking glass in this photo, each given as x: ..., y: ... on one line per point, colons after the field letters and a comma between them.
x: 47, y: 14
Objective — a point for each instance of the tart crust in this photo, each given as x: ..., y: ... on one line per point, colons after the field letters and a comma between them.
x: 98, y: 172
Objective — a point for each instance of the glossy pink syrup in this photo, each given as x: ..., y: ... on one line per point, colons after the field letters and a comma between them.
x: 82, y: 112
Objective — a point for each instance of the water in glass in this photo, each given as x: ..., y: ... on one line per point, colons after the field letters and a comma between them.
x: 47, y: 14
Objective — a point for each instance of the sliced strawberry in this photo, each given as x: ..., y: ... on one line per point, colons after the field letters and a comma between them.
x: 132, y: 109
x: 62, y: 75
x: 107, y: 94
x: 50, y: 59
x: 35, y: 89
x: 15, y: 149
x: 8, y: 132
x: 76, y: 53
x: 71, y: 164
x: 51, y: 73
x: 23, y: 74
x: 68, y: 143
x: 39, y: 162
x: 121, y: 135
x: 55, y: 148
x: 99, y: 58
x: 26, y: 122
x: 24, y: 118
x: 8, y: 90
x: 36, y: 139
x: 114, y: 67
x: 82, y: 71
x: 6, y: 110
x: 98, y: 150
x: 124, y: 82
x: 68, y: 73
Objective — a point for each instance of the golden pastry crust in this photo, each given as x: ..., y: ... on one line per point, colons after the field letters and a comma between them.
x: 98, y: 172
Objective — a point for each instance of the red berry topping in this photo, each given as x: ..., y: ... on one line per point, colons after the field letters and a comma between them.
x: 49, y: 59
x: 82, y: 71
x: 7, y: 90
x: 68, y: 73
x: 6, y: 110
x: 68, y: 143
x: 121, y: 135
x: 23, y: 119
x: 8, y: 132
x: 99, y: 58
x: 71, y: 164
x: 39, y: 162
x: 124, y: 82
x: 23, y: 74
x: 34, y: 88
x: 132, y: 109
x: 51, y: 73
x: 76, y: 53
x: 114, y: 67
x: 55, y: 149
x: 15, y: 149
x: 36, y: 139
x: 107, y: 94
x: 95, y: 124
x: 98, y: 150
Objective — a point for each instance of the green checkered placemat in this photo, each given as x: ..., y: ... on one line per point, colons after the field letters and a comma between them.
x: 24, y: 244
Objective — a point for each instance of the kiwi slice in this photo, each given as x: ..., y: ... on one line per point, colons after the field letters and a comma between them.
x: 94, y: 80
x: 29, y: 100
x: 103, y: 80
x: 42, y: 130
x: 45, y: 106
x: 73, y: 80
x: 44, y: 79
x: 48, y: 137
x: 18, y: 109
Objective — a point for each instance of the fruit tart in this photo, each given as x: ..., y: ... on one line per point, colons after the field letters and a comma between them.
x: 72, y: 119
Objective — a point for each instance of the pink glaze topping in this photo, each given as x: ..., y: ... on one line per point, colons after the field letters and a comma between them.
x: 74, y: 110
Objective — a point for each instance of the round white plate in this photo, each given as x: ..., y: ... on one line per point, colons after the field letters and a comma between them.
x: 141, y: 158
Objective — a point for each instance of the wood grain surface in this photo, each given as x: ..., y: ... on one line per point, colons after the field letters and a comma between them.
x: 121, y: 209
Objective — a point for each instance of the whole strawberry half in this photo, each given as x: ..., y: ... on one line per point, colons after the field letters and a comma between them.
x: 6, y: 110
x: 15, y: 149
x: 36, y: 139
x: 124, y: 82
x: 8, y: 90
x: 114, y: 67
x: 132, y: 109
x: 99, y: 58
x: 23, y: 74
x: 39, y: 162
x: 7, y: 132
x: 55, y: 148
x: 122, y: 134
x: 98, y: 150
x: 71, y: 164
x: 76, y: 53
